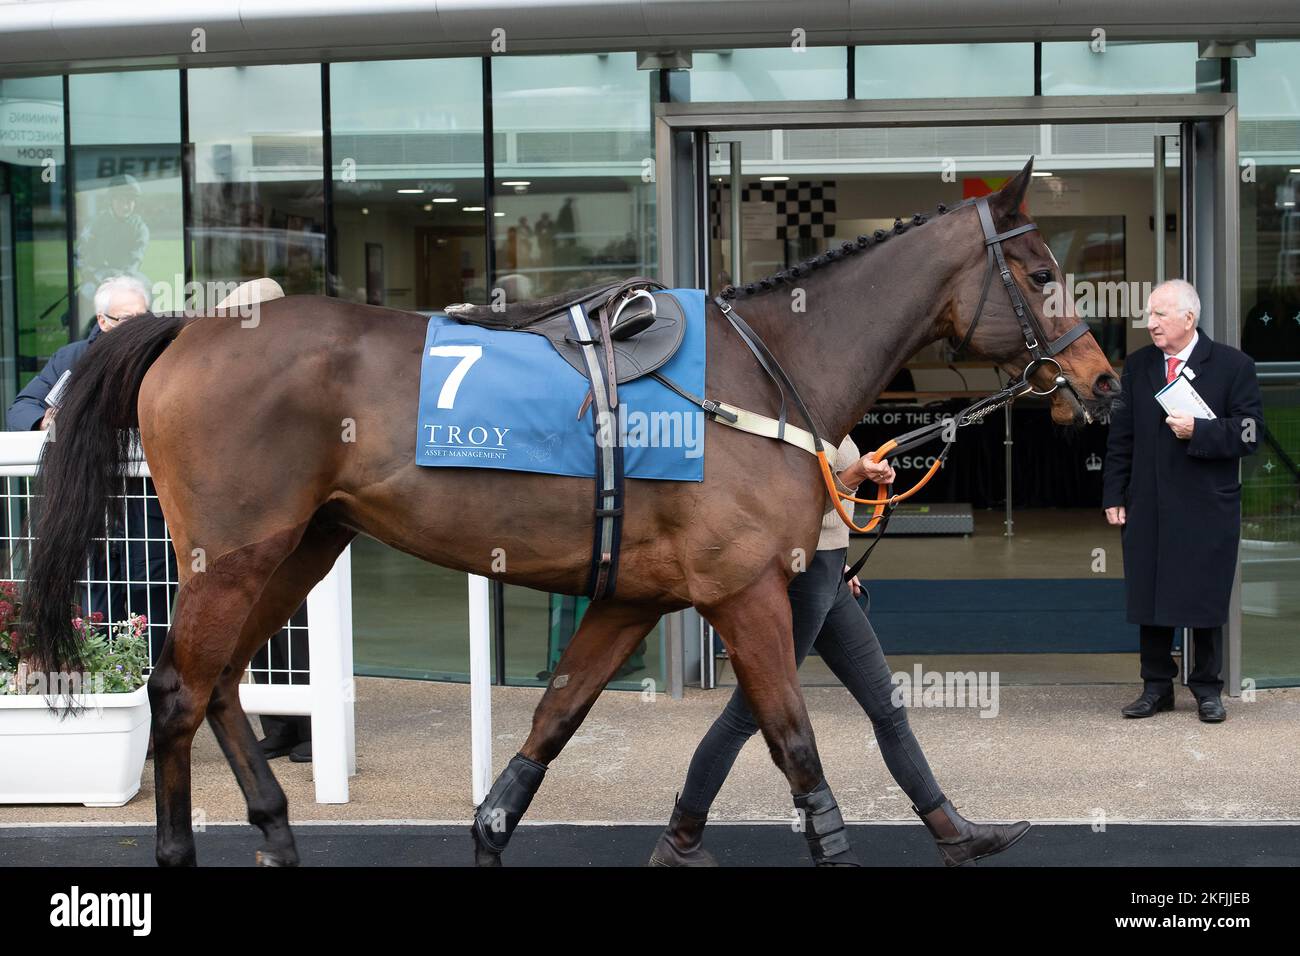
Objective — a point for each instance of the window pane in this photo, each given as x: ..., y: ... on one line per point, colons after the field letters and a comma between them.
x: 33, y: 228
x: 258, y: 199
x: 407, y: 141
x: 1269, y: 137
x: 573, y: 135
x: 944, y: 69
x: 819, y: 73
x: 1074, y: 69
x: 126, y: 159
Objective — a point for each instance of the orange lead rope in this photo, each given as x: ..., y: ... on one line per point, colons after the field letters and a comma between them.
x: 838, y: 497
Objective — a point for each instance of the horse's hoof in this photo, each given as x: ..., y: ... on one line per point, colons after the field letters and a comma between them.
x: 277, y: 858
x: 483, y: 854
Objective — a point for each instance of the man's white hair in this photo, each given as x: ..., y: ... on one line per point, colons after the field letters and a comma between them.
x: 109, y: 287
x: 1188, y: 300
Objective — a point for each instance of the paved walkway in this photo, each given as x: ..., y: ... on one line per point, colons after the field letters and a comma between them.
x: 1051, y: 753
x: 741, y: 844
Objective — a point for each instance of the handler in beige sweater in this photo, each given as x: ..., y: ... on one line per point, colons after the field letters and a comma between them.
x: 828, y: 616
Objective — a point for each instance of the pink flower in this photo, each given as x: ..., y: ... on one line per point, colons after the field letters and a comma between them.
x: 76, y: 624
x: 97, y: 617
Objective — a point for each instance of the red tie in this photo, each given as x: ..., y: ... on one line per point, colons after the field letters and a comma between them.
x: 1172, y: 371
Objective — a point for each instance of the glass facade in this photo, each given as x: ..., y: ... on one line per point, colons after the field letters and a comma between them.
x: 1269, y: 131
x: 907, y: 71
x: 789, y: 73
x: 574, y: 200
x: 126, y: 176
x: 38, y: 318
x: 407, y: 152
x: 463, y: 180
x: 1103, y: 68
x: 258, y: 199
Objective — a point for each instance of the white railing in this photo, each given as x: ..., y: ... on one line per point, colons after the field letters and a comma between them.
x: 328, y: 697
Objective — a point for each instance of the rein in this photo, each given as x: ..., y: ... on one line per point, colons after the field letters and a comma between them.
x: 1040, y: 354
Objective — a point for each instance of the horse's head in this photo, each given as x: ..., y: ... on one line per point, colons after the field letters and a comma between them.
x: 1047, y: 337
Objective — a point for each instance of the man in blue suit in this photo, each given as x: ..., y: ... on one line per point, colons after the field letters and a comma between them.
x: 1172, y: 486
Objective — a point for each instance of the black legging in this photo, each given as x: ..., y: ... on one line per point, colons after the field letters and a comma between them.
x: 825, y: 614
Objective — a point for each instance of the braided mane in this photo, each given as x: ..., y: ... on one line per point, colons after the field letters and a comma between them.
x: 843, y: 251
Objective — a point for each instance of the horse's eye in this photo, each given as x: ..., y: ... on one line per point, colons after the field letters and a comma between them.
x: 1042, y: 277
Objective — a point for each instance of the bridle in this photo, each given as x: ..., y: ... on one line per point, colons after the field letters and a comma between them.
x: 1041, y: 351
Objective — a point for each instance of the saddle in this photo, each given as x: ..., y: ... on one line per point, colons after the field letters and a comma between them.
x: 610, y: 335
x: 647, y: 325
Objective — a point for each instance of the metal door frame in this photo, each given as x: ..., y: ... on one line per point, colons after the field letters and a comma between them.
x: 1211, y: 218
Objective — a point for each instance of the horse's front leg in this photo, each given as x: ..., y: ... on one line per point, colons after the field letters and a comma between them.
x: 609, y: 633
x: 756, y: 628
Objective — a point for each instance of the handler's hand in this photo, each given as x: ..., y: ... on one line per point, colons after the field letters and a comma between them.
x: 1182, y: 424
x: 48, y: 418
x: 881, y: 472
x: 1116, y: 515
x: 855, y: 586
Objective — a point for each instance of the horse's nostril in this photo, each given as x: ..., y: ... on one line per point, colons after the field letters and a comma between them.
x: 1106, y: 385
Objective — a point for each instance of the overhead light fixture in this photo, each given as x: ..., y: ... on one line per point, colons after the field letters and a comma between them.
x: 498, y: 214
x: 1296, y: 170
x: 365, y: 211
x: 516, y: 182
x: 472, y: 208
x: 773, y: 179
x: 428, y: 207
x: 411, y: 192
x: 1042, y: 172
x: 446, y: 199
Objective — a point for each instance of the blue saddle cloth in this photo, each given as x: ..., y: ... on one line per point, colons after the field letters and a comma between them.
x: 492, y: 399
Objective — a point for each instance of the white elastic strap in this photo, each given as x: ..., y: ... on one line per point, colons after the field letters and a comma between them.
x: 756, y: 424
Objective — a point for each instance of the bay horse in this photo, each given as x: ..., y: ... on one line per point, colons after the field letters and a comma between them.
x: 273, y: 445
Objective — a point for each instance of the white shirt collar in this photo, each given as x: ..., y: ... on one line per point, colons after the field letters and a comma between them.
x: 1186, y: 352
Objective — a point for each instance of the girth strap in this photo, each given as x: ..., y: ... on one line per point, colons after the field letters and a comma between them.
x: 609, y: 458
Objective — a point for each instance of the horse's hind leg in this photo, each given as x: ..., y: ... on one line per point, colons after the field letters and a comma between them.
x: 268, y: 809
x: 755, y: 626
x: 211, y: 609
x: 608, y: 634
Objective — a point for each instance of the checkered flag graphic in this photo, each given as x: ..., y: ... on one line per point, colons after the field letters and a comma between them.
x: 804, y: 209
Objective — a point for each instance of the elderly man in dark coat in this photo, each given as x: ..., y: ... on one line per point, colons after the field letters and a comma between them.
x: 1172, y: 485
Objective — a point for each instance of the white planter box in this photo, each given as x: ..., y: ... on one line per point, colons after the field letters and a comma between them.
x: 94, y: 758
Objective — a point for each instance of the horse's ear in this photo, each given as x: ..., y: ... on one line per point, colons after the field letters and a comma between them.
x: 1009, y: 198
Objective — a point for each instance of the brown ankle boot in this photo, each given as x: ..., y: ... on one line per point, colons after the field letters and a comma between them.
x: 679, y: 845
x: 961, y: 841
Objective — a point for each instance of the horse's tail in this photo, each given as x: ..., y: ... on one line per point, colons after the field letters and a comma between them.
x: 79, y: 475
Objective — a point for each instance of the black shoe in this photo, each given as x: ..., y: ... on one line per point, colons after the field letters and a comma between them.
x: 301, y: 753
x: 1210, y: 710
x: 1149, y: 704
x: 961, y: 841
x: 277, y: 745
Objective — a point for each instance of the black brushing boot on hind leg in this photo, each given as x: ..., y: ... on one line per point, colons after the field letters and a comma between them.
x: 497, y: 816
x: 823, y: 827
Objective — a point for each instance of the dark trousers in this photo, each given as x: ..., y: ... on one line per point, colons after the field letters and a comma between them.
x: 825, y: 614
x: 139, y: 568
x: 1159, y: 669
x: 269, y: 665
